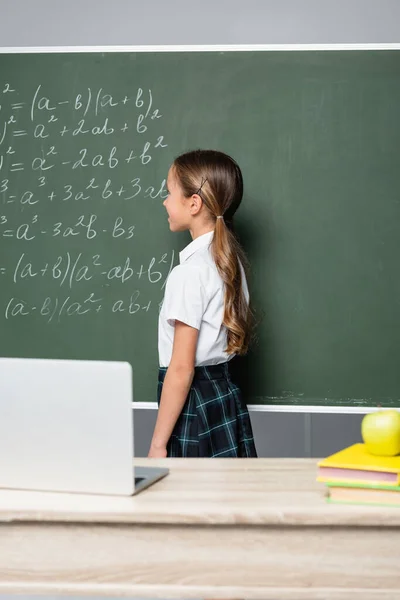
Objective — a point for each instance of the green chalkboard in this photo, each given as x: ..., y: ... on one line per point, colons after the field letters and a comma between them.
x: 86, y: 140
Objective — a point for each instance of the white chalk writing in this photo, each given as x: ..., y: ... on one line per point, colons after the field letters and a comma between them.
x: 77, y: 184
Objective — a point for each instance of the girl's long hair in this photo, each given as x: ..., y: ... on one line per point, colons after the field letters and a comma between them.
x: 217, y: 179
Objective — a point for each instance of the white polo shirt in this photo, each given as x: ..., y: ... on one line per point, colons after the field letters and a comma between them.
x: 194, y: 294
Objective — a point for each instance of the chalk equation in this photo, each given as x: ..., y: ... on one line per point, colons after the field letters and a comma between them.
x: 85, y: 225
x: 69, y: 269
x: 77, y: 175
x: 56, y: 308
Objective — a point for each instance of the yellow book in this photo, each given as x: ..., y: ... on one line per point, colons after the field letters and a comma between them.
x: 355, y: 464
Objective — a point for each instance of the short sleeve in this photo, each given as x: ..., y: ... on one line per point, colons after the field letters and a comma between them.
x: 185, y: 296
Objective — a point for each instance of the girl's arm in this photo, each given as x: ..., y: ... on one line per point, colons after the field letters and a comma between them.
x: 176, y: 386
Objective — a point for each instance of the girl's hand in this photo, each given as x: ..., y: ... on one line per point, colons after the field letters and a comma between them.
x: 157, y: 452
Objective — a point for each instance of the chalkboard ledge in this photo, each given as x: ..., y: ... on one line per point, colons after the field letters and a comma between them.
x: 315, y: 407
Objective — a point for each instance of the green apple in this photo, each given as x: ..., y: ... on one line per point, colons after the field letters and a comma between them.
x: 380, y: 431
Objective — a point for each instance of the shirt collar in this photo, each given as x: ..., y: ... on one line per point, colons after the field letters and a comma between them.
x: 201, y: 242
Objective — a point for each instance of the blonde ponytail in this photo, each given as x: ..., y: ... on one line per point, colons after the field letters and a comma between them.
x: 237, y: 316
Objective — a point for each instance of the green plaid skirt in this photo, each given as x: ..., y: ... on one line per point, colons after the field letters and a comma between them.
x: 214, y: 421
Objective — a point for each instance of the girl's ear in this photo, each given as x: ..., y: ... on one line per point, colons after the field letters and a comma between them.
x: 195, y: 204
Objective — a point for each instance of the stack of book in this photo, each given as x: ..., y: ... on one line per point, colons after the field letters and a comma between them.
x: 353, y: 476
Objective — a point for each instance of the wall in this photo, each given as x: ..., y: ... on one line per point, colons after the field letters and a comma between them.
x: 90, y: 22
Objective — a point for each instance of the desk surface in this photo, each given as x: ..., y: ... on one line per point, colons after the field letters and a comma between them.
x: 218, y: 528
x: 200, y: 491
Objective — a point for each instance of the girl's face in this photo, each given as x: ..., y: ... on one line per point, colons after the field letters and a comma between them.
x: 176, y: 204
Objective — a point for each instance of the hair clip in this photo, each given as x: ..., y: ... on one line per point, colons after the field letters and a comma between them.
x: 202, y: 183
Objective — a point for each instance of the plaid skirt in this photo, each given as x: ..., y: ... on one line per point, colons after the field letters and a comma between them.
x: 214, y: 421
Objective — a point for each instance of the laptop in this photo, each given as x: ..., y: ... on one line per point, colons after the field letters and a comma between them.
x: 67, y: 426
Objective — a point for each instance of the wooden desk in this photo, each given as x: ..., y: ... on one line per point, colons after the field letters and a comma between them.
x: 220, y: 528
